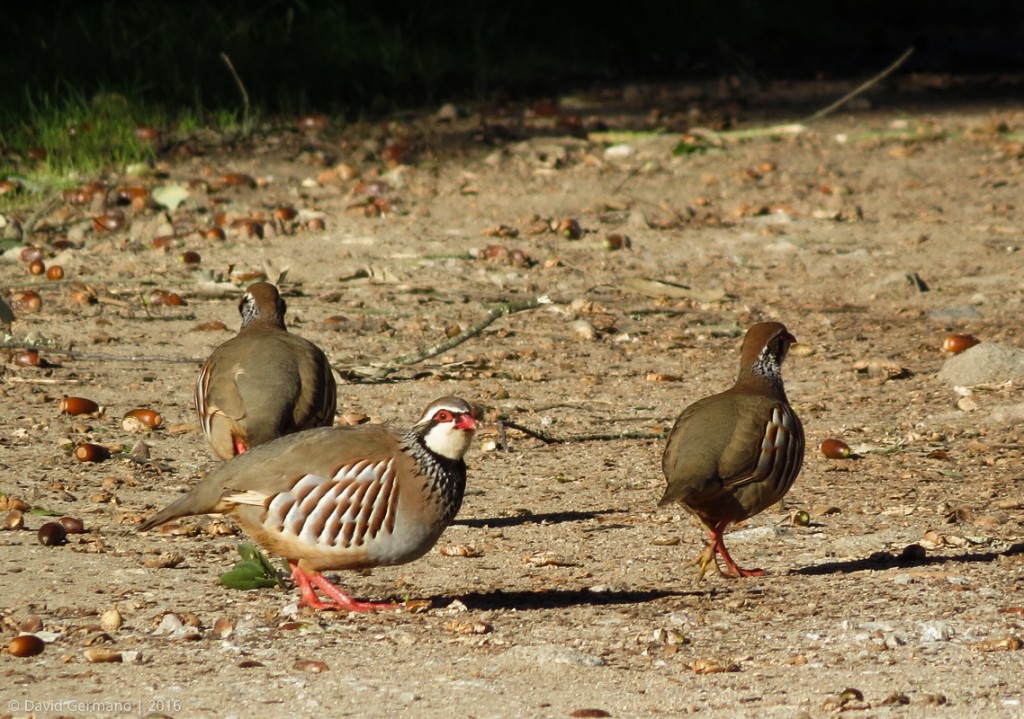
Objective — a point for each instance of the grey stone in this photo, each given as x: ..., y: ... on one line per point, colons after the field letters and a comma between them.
x: 985, y: 363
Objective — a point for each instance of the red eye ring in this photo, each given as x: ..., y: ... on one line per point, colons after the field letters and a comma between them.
x: 443, y: 415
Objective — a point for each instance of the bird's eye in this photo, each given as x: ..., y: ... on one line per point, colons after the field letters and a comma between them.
x: 443, y: 415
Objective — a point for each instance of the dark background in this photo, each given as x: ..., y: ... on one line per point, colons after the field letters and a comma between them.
x: 359, y: 57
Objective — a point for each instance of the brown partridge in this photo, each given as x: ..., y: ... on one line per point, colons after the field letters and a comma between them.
x: 734, y: 454
x: 343, y: 497
x: 264, y: 382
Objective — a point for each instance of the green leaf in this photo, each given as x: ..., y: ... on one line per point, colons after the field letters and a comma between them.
x: 247, y: 577
x: 689, y: 148
x: 45, y: 512
x: 253, y: 571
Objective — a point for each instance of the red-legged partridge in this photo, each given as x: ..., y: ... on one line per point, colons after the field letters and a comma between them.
x: 264, y: 382
x: 343, y: 497
x: 734, y: 454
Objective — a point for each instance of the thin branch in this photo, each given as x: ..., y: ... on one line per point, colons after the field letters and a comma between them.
x: 863, y: 87
x: 241, y: 89
x: 551, y: 439
x: 493, y: 314
x: 379, y: 372
x: 51, y: 203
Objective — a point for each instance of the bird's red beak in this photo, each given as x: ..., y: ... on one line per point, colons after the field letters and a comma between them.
x: 465, y: 421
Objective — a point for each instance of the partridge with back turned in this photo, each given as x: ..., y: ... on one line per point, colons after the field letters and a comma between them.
x: 263, y: 383
x: 343, y: 497
x: 734, y: 454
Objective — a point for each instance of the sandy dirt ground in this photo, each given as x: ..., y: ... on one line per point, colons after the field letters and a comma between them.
x: 560, y: 590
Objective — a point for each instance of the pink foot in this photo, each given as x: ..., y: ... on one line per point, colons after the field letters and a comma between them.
x: 341, y: 601
x: 731, y: 568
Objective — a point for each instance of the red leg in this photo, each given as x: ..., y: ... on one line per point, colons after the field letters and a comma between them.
x: 239, y: 445
x: 718, y: 545
x: 342, y: 602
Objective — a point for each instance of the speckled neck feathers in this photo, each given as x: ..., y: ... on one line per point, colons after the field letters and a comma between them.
x: 262, y: 307
x: 447, y: 477
x: 764, y: 350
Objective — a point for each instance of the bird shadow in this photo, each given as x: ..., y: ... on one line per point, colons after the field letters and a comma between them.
x: 556, y: 598
x: 884, y: 560
x: 545, y: 518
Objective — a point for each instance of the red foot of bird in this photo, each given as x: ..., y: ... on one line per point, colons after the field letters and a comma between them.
x: 718, y: 545
x: 341, y: 601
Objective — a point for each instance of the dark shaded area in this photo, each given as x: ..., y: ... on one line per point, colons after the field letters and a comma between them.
x: 364, y: 57
x: 884, y: 560
x: 542, y: 518
x: 557, y: 598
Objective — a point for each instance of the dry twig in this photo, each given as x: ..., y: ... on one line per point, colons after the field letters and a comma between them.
x: 864, y: 86
x: 603, y: 437
x: 426, y: 353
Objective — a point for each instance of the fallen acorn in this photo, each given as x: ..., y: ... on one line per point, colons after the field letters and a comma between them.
x: 37, y: 267
x: 28, y: 358
x: 75, y: 406
x: 51, y: 534
x: 109, y: 221
x: 285, y: 213
x: 615, y: 241
x: 312, y: 123
x: 26, y: 301
x: 835, y: 449
x: 15, y: 519
x: 138, y: 420
x: 570, y: 229
x: 54, y: 272
x: 72, y: 525
x: 957, y: 343
x: 89, y: 452
x: 163, y: 298
x: 25, y: 645
x: 237, y: 179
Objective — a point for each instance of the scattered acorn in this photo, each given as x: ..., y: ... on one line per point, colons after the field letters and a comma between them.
x: 15, y: 519
x: 957, y: 343
x: 285, y: 213
x: 163, y: 298
x: 75, y: 406
x: 138, y: 420
x: 31, y: 254
x: 312, y: 123
x: 570, y: 229
x: 51, y: 534
x: 237, y: 179
x: 25, y: 645
x: 72, y: 525
x: 27, y: 358
x: 164, y: 242
x: 109, y: 221
x: 89, y: 452
x: 615, y: 241
x: 835, y: 449
x: 54, y: 272
x: 26, y: 301
x: 37, y: 267
x: 214, y: 233
x: 190, y: 257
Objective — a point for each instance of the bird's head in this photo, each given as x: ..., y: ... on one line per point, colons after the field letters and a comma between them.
x: 447, y: 427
